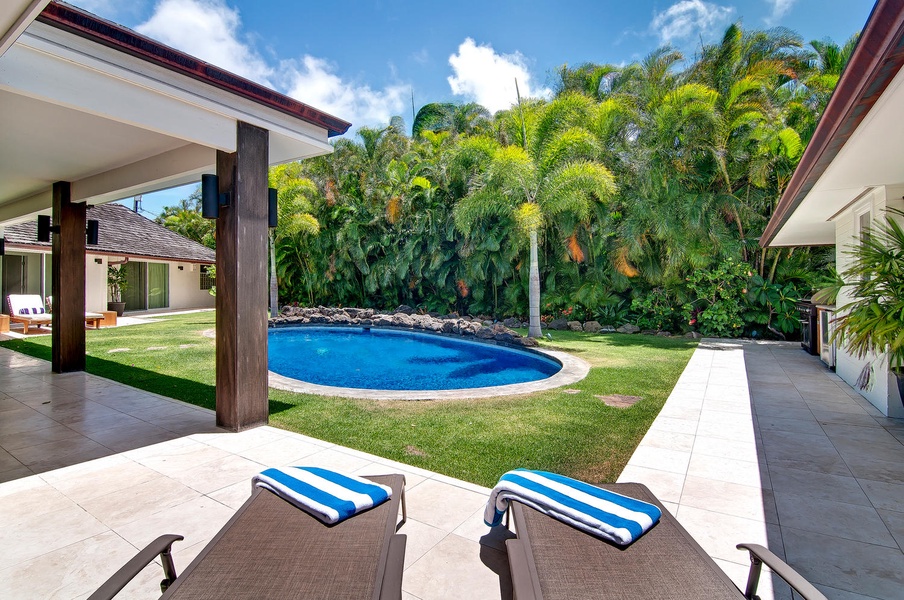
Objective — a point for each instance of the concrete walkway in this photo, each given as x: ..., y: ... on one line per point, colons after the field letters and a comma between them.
x: 760, y: 442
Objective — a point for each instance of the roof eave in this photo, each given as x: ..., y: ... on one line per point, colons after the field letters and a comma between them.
x: 112, y: 35
x: 874, y: 63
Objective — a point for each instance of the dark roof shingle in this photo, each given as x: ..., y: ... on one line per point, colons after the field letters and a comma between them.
x: 123, y: 231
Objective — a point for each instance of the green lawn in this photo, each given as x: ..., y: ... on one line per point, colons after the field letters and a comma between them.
x: 477, y: 440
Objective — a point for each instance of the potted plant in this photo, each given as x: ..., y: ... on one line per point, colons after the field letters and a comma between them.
x: 116, y: 279
x: 873, y: 323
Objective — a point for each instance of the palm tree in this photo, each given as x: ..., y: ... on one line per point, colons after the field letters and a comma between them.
x: 557, y: 182
x: 294, y: 206
x: 186, y: 220
x: 457, y: 119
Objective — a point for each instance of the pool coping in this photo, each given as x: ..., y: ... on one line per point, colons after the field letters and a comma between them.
x: 573, y: 370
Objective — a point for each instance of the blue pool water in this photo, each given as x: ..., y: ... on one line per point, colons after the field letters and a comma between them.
x: 380, y: 359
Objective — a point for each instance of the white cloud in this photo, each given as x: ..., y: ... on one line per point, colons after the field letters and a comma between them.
x: 315, y: 82
x: 488, y: 78
x: 688, y: 19
x: 779, y: 8
x: 209, y: 30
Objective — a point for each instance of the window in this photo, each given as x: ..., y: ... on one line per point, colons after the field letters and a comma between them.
x: 207, y: 277
x: 863, y: 227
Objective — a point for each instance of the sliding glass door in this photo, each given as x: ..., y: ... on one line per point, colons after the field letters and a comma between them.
x: 158, y: 285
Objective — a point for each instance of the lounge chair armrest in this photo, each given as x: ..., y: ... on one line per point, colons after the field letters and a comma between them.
x: 161, y: 547
x: 760, y: 555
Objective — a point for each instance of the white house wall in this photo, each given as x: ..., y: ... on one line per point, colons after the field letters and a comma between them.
x: 95, y: 283
x: 185, y: 287
x: 883, y: 393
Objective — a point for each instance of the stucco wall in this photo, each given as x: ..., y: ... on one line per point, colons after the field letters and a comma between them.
x: 883, y: 393
x: 185, y: 287
x: 95, y: 283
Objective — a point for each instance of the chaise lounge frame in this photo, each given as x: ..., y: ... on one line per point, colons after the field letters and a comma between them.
x: 271, y: 549
x: 550, y: 560
x: 91, y: 318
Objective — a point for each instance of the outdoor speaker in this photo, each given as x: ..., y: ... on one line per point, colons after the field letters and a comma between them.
x: 210, y: 196
x: 274, y: 216
x: 91, y: 231
x: 2, y: 246
x: 43, y: 228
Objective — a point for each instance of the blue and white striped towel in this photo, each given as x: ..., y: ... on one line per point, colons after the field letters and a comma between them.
x: 330, y: 496
x: 591, y: 509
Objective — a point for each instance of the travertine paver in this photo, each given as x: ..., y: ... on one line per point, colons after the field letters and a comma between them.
x: 758, y: 442
x: 782, y: 452
x: 114, y: 485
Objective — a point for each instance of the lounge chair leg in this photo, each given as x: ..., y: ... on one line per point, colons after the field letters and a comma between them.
x: 169, y: 568
x: 404, y: 508
x: 753, y: 577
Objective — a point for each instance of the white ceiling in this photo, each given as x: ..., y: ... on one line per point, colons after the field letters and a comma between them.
x: 112, y: 124
x: 873, y: 156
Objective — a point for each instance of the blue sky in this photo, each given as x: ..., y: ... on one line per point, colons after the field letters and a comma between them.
x: 362, y: 61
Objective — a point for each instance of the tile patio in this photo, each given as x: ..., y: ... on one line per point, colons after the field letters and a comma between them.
x: 758, y: 442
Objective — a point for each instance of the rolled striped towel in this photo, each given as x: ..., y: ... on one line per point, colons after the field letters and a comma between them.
x: 596, y: 511
x: 330, y: 496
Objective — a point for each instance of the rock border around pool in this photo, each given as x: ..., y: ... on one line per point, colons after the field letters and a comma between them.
x: 368, y: 317
x: 573, y: 369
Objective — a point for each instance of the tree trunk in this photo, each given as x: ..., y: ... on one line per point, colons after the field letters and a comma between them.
x: 274, y: 290
x: 534, y: 289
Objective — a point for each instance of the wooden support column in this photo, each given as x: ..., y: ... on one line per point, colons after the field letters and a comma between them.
x: 68, y: 277
x: 242, y: 282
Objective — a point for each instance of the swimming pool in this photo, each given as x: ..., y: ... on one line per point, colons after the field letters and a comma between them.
x: 380, y: 359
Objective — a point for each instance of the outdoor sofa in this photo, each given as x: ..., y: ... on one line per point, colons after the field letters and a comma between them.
x: 29, y: 310
x: 271, y: 549
x: 550, y: 560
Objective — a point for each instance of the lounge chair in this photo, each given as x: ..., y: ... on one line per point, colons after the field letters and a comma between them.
x: 550, y: 560
x: 271, y: 549
x: 29, y: 310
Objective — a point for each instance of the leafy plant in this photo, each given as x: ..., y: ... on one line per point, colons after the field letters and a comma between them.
x: 873, y: 323
x: 118, y: 282
x: 719, y: 294
x: 654, y: 310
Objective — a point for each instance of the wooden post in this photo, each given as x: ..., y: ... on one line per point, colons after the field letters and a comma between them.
x: 68, y: 277
x: 242, y: 282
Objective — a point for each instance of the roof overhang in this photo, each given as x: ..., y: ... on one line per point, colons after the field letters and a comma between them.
x: 119, y: 114
x: 857, y: 145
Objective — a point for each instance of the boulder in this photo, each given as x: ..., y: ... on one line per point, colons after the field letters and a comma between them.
x: 694, y: 335
x: 558, y: 325
x: 485, y: 333
x: 401, y: 319
x: 383, y: 321
x: 607, y: 329
x: 664, y: 333
x: 592, y: 327
x: 628, y: 328
x: 649, y: 332
x: 512, y: 322
x: 404, y: 309
x: 575, y: 326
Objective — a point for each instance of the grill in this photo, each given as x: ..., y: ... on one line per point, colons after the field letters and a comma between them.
x: 806, y: 311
